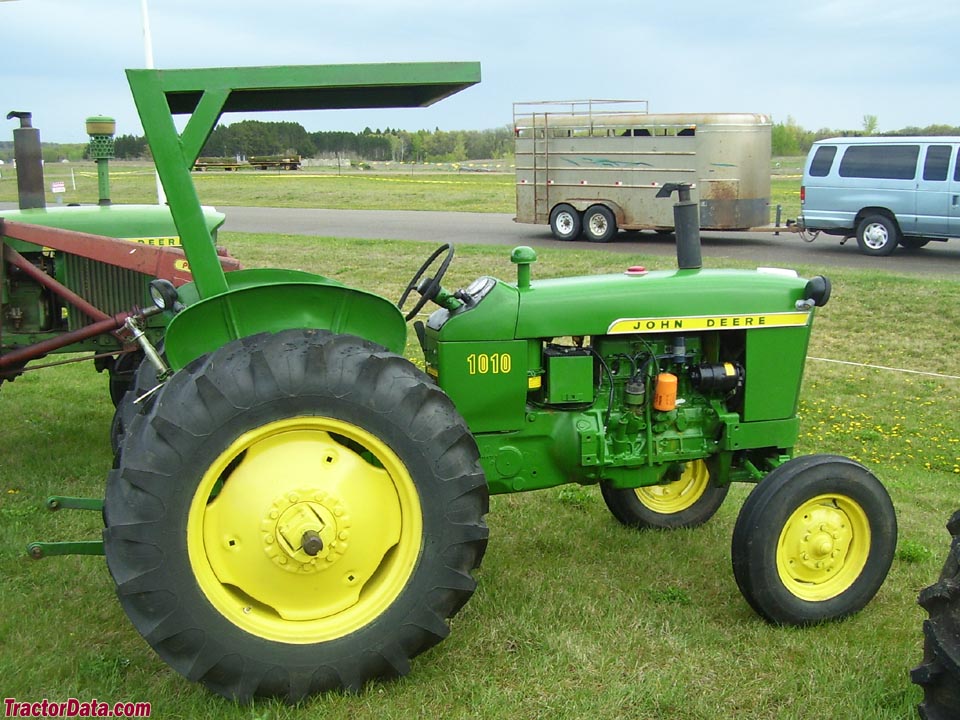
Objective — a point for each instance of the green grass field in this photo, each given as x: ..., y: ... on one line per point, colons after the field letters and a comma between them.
x: 386, y: 187
x: 575, y: 616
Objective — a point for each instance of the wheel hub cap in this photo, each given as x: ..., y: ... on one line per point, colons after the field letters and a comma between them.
x: 823, y: 547
x: 307, y: 535
x: 304, y: 529
x: 875, y: 236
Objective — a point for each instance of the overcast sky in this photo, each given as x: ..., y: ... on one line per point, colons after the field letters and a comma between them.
x: 825, y: 64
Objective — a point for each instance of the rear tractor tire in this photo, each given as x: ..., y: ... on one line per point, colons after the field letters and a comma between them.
x: 294, y: 513
x: 939, y: 674
x: 814, y: 540
x: 686, y: 500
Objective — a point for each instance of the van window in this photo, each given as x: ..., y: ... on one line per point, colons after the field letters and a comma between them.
x: 893, y: 162
x: 935, y: 166
x: 823, y: 160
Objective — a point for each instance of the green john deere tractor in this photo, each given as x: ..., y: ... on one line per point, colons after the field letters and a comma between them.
x: 296, y: 507
x: 79, y: 292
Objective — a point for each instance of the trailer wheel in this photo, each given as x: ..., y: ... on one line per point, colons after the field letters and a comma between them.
x: 599, y: 224
x: 814, y: 540
x: 877, y: 235
x: 295, y: 513
x: 686, y: 501
x: 565, y: 222
x: 939, y: 674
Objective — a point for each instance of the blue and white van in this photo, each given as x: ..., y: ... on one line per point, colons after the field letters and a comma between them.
x: 884, y: 191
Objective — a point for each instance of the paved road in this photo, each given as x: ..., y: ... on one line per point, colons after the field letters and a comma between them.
x: 787, y: 249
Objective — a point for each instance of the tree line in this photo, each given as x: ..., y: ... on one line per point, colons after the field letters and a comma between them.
x: 253, y: 137
x: 788, y: 138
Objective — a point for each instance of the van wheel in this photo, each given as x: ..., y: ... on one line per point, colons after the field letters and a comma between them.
x: 599, y: 224
x: 565, y: 223
x: 877, y: 235
x: 913, y: 243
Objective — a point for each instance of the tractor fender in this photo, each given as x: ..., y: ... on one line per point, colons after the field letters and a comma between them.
x: 270, y: 300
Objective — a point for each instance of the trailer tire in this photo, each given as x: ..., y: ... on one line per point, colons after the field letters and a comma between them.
x: 939, y: 673
x: 599, y: 224
x: 688, y: 501
x: 296, y: 512
x: 814, y: 540
x: 877, y: 235
x: 565, y: 222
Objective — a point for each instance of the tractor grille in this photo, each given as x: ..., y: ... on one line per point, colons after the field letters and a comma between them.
x: 106, y: 287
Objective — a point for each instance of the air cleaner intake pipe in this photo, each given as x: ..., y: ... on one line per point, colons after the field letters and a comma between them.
x: 26, y: 151
x: 686, y: 221
x: 101, y: 130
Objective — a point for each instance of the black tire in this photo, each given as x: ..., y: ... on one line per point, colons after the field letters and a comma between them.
x: 122, y: 372
x: 295, y: 513
x: 565, y: 222
x: 939, y: 674
x: 599, y: 224
x: 814, y: 540
x: 877, y: 235
x: 687, y: 500
x: 913, y: 243
x: 144, y: 380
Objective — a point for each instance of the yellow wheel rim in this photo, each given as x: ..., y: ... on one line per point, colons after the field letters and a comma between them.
x: 304, y: 530
x: 823, y: 547
x: 673, y: 497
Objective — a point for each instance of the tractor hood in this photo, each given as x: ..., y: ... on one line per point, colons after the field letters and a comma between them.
x: 148, y: 223
x: 663, y: 301
x: 659, y: 301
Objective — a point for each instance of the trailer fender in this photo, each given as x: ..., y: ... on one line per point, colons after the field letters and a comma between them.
x: 272, y: 300
x: 582, y: 204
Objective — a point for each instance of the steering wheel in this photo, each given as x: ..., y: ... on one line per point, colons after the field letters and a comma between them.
x: 430, y: 286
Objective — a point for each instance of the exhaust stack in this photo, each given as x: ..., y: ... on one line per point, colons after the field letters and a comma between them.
x: 686, y: 221
x: 29, y: 158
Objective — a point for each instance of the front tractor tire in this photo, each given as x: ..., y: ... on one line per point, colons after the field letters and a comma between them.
x: 939, y: 673
x: 814, y: 540
x: 685, y: 500
x: 294, y: 513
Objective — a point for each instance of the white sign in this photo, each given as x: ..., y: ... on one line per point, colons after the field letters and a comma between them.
x: 58, y: 187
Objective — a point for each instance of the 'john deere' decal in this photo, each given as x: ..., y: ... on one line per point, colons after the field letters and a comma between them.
x: 625, y: 326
